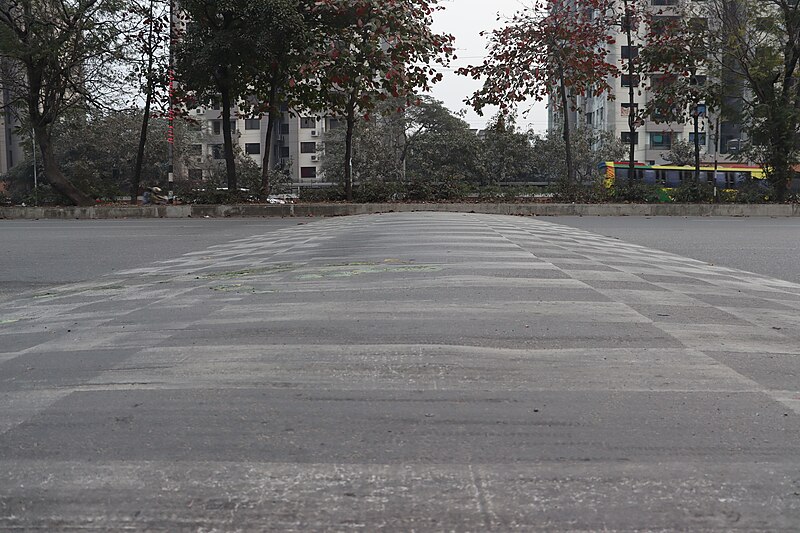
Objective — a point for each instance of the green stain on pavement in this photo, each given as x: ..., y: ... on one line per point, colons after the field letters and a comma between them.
x: 273, y: 269
x: 336, y: 272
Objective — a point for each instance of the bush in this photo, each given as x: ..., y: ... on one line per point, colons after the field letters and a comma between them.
x: 690, y: 192
x: 321, y: 194
x: 43, y: 195
x: 378, y: 191
x: 753, y: 192
x: 492, y: 193
x: 565, y: 192
x: 445, y: 189
x: 637, y: 192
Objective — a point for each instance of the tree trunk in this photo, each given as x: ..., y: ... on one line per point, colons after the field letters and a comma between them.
x: 266, y: 160
x: 227, y: 139
x: 567, y: 141
x: 54, y: 175
x: 781, y: 143
x: 696, y: 147
x: 348, y: 149
x: 137, y: 169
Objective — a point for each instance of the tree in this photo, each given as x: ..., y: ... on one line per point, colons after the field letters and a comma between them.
x: 439, y: 145
x: 375, y: 49
x: 377, y: 148
x: 423, y: 148
x: 560, y: 45
x: 590, y: 148
x: 278, y: 56
x: 149, y: 39
x: 759, y: 43
x: 214, y: 58
x: 507, y: 153
x: 56, y: 58
x: 682, y: 90
x: 682, y: 153
x: 96, y: 152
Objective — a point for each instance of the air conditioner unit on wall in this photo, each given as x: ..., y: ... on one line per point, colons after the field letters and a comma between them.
x: 314, y: 133
x: 315, y: 158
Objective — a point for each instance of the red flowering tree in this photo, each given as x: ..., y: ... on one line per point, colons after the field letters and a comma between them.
x: 553, y: 50
x: 682, y: 85
x: 374, y: 49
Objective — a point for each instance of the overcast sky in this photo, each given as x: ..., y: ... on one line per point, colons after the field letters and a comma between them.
x: 465, y: 19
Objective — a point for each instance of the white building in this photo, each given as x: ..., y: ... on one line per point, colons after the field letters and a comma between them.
x: 297, y: 143
x: 719, y: 139
x: 11, y: 151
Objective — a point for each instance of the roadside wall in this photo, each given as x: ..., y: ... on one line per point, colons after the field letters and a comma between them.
x: 328, y: 210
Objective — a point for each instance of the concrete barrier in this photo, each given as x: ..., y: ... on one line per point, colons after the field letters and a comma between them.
x: 341, y: 209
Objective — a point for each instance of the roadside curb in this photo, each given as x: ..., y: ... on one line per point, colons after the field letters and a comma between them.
x: 329, y: 210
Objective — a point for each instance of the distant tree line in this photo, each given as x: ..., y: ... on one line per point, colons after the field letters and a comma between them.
x: 86, y: 60
x: 738, y: 57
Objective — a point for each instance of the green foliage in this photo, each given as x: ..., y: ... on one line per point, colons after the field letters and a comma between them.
x: 588, y: 193
x: 691, y: 192
x: 750, y: 192
x: 421, y: 189
x: 321, y: 194
x: 440, y: 144
x: 97, y: 153
x: 636, y: 192
x: 378, y: 191
x: 507, y: 153
x: 681, y: 153
x: 590, y: 148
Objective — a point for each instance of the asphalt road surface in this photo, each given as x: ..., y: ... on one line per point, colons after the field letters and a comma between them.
x: 769, y: 246
x: 399, y: 372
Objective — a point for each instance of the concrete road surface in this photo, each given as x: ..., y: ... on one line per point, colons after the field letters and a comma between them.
x: 404, y: 372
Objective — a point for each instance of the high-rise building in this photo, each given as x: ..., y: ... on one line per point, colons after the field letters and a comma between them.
x: 297, y: 143
x: 719, y: 138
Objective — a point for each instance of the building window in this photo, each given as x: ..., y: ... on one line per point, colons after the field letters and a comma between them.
x: 217, y: 151
x: 665, y: 2
x: 195, y: 149
x: 252, y: 148
x: 661, y: 141
x: 625, y: 109
x: 626, y: 80
x: 626, y: 137
x: 700, y: 136
x: 284, y: 151
x: 308, y: 172
x: 333, y: 123
x: 628, y: 50
x: 308, y: 148
x: 252, y: 123
x: 308, y: 123
x: 285, y: 129
x: 216, y: 126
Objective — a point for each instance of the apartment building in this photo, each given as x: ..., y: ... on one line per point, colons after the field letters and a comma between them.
x: 297, y: 143
x: 11, y: 151
x: 719, y: 139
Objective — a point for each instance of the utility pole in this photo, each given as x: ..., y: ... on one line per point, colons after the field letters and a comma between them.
x: 35, y: 175
x: 171, y: 112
